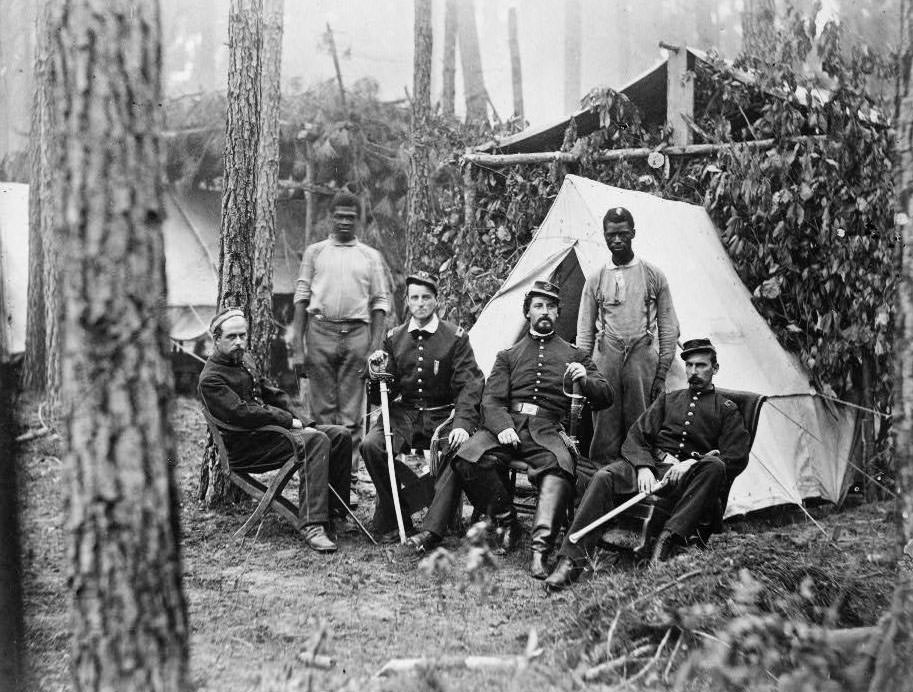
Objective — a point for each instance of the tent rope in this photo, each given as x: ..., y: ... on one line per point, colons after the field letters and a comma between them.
x: 800, y: 505
x: 791, y: 419
x: 836, y: 400
x: 177, y: 343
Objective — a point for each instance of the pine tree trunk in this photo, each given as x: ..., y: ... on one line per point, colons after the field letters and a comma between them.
x: 516, y: 73
x: 894, y: 660
x: 448, y: 86
x: 12, y: 632
x: 34, y: 367
x: 572, y: 51
x: 471, y: 61
x: 239, y: 197
x: 129, y: 615
x: 758, y: 18
x: 262, y: 329
x: 418, y: 214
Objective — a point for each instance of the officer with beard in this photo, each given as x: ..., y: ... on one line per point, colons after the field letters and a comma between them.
x: 694, y: 438
x: 523, y: 406
x: 235, y: 393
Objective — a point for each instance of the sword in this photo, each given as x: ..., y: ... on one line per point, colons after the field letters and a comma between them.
x: 377, y: 370
x: 608, y: 516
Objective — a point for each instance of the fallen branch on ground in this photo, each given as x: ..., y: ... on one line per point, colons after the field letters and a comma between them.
x: 592, y: 673
x: 311, y: 658
x: 514, y: 662
x: 650, y: 663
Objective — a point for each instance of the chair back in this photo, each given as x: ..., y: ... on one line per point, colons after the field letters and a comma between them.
x: 749, y: 404
x: 216, y: 427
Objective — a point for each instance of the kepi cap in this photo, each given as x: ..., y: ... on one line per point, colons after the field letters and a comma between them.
x: 423, y: 278
x: 697, y: 346
x: 545, y: 288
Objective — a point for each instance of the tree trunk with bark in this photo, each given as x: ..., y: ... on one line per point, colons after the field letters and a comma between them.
x: 758, y: 19
x: 418, y: 205
x: 12, y: 632
x: 129, y: 617
x: 262, y: 328
x: 893, y: 668
x: 239, y: 198
x: 572, y: 51
x: 516, y: 73
x: 471, y: 61
x: 34, y: 367
x: 894, y: 661
x: 448, y: 83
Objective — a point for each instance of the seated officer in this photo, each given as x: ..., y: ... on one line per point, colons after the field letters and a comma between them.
x: 523, y: 405
x: 434, y: 372
x: 235, y: 393
x: 693, y: 438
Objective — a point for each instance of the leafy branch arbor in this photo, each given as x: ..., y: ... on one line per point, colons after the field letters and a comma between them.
x: 798, y: 180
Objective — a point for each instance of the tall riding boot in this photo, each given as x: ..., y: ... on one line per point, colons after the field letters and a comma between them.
x: 555, y: 493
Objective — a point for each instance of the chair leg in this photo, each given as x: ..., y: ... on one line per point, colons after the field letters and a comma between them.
x: 279, y: 482
x: 352, y: 514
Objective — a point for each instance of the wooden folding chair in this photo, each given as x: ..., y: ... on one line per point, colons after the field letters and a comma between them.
x: 266, y: 495
x: 639, y: 526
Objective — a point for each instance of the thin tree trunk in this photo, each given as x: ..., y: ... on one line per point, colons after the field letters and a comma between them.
x: 262, y: 328
x: 758, y: 18
x: 342, y: 90
x: 516, y: 73
x: 418, y: 214
x: 572, y: 51
x: 34, y: 367
x: 893, y: 669
x: 129, y: 618
x: 471, y: 61
x: 448, y: 87
x: 12, y: 632
x: 310, y: 197
x: 239, y: 197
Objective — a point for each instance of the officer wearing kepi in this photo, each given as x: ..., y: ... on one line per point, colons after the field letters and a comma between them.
x: 523, y: 405
x: 434, y: 372
x: 694, y: 439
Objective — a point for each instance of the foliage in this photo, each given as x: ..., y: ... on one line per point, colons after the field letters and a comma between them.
x: 357, y: 146
x: 808, y: 223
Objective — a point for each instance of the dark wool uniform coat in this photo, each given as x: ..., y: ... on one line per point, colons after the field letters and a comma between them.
x: 532, y: 371
x: 430, y: 371
x: 236, y: 394
x: 687, y: 425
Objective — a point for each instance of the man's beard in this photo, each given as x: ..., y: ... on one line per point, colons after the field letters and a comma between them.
x: 237, y: 355
x: 544, y: 325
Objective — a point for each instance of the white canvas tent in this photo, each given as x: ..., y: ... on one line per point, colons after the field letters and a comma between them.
x: 802, y: 446
x: 14, y: 265
x: 191, y: 236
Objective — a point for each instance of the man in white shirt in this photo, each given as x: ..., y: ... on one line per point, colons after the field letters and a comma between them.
x: 341, y: 301
x: 626, y: 315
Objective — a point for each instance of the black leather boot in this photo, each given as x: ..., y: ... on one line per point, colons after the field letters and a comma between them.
x: 554, y: 494
x: 507, y: 531
x: 565, y: 574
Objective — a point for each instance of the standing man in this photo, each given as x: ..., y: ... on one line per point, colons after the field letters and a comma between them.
x: 434, y: 372
x: 695, y: 438
x: 523, y: 406
x: 341, y: 301
x: 625, y: 310
x: 234, y: 392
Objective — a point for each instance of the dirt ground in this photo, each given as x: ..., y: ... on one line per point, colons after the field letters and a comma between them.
x: 256, y: 605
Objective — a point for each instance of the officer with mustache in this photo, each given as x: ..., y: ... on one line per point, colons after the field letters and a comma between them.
x: 695, y: 438
x: 523, y: 406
